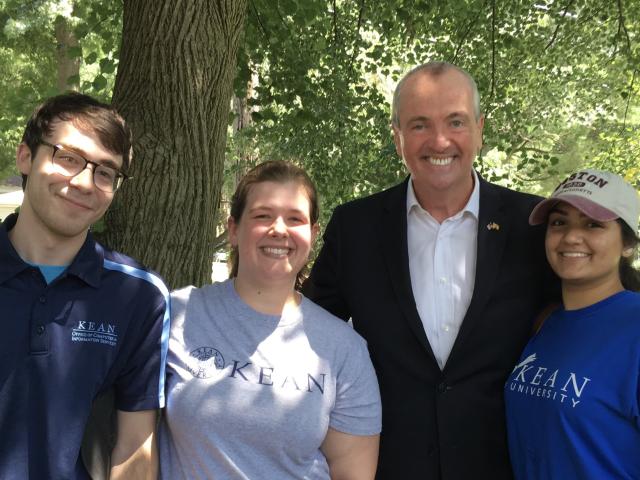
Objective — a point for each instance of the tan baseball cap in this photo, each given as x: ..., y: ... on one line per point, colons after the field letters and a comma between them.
x: 603, y: 196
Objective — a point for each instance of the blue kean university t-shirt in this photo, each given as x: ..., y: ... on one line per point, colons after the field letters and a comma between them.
x: 572, y: 401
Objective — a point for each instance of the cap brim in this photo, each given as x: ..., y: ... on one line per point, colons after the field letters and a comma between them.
x: 590, y: 209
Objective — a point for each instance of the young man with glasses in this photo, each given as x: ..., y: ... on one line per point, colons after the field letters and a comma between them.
x: 78, y: 319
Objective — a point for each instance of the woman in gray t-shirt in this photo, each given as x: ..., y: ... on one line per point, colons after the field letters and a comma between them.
x: 261, y: 382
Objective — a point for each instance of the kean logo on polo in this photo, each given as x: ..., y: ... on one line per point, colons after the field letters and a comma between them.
x: 95, y: 332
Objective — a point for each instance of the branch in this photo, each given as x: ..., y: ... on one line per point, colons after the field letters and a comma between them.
x: 355, y: 42
x: 536, y: 180
x: 462, y: 41
x: 220, y: 241
x: 518, y: 148
x: 335, y: 23
x: 493, y: 49
x: 104, y: 20
x: 622, y: 27
x: 629, y: 95
x: 537, y: 150
x: 264, y: 30
x: 615, y: 51
x: 284, y: 22
x: 555, y: 33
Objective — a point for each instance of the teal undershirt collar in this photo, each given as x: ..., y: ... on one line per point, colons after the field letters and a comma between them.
x: 50, y: 272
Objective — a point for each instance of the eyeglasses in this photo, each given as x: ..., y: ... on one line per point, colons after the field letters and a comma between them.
x: 70, y: 164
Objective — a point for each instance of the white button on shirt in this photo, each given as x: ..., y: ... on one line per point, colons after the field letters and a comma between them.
x: 442, y: 265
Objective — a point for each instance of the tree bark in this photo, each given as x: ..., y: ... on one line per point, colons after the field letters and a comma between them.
x: 67, y: 67
x: 174, y: 86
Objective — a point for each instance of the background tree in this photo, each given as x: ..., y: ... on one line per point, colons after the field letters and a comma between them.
x: 41, y: 52
x: 174, y: 85
x: 27, y: 70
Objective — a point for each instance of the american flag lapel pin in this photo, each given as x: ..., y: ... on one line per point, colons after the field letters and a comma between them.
x: 493, y: 226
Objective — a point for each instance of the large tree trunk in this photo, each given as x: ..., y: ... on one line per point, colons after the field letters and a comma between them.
x: 174, y: 85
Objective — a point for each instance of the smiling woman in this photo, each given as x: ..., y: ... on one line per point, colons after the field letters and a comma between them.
x: 270, y: 189
x: 273, y: 236
x: 261, y: 382
x: 576, y: 385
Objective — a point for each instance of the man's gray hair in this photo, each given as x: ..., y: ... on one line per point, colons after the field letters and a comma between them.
x: 434, y: 69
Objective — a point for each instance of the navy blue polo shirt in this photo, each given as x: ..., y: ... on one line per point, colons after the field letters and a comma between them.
x: 103, y: 322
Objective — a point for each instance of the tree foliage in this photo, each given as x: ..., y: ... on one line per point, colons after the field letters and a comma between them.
x: 559, y: 83
x: 41, y: 41
x: 27, y: 71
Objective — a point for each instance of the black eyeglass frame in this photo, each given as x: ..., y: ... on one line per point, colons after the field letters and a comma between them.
x: 120, y: 176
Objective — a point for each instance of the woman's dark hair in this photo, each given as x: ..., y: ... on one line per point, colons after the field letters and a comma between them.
x: 279, y: 172
x: 629, y: 276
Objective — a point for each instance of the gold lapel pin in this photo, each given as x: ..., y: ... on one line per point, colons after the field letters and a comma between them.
x: 493, y: 226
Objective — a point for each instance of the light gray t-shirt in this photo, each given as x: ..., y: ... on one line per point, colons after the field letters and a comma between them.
x: 251, y: 396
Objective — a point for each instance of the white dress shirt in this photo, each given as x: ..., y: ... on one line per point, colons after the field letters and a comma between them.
x: 442, y: 265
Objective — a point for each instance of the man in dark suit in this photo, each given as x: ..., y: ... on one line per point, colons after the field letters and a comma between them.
x: 442, y: 275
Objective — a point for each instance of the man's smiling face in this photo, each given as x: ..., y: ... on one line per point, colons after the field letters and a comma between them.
x: 437, y: 134
x: 57, y: 205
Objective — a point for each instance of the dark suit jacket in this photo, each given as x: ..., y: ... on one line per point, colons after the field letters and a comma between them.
x: 436, y: 424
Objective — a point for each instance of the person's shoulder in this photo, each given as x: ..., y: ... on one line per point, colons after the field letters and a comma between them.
x: 622, y: 311
x: 631, y: 299
x: 375, y: 200
x: 509, y: 193
x: 119, y: 262
x: 521, y: 203
x: 333, y: 328
x: 190, y: 304
x: 192, y: 293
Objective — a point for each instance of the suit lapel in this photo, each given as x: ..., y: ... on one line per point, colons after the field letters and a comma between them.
x: 396, y: 256
x: 493, y: 229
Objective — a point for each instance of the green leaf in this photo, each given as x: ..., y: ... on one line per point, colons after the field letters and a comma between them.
x: 304, y: 115
x: 289, y: 6
x: 99, y: 82
x: 91, y: 58
x: 74, y: 52
x: 107, y: 65
x: 81, y: 31
x: 79, y: 9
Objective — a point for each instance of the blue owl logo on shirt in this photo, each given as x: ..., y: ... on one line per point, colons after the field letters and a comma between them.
x: 206, y: 360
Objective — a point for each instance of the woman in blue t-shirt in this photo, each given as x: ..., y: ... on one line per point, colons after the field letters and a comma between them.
x: 573, y: 399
